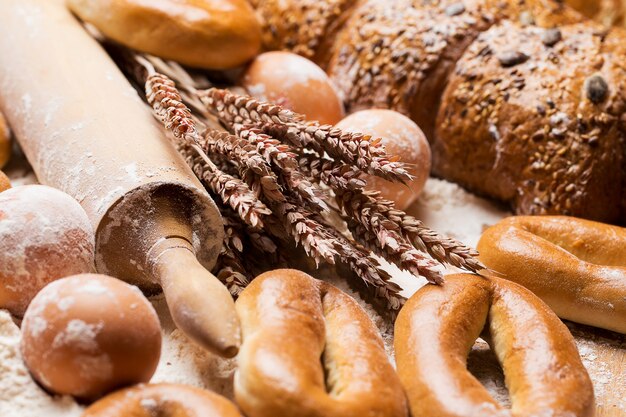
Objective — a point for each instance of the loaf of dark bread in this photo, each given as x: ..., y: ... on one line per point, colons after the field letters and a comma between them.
x: 533, y: 116
x: 430, y: 58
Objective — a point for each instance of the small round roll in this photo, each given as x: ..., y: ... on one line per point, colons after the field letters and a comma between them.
x: 291, y: 320
x: 211, y: 34
x: 435, y: 332
x: 402, y: 137
x: 163, y: 400
x: 576, y: 266
x: 294, y: 83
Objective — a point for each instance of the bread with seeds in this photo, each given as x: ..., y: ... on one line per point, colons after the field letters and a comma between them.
x: 534, y: 117
x: 539, y: 66
x: 398, y: 54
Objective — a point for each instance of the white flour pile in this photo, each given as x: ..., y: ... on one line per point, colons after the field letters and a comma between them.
x: 443, y: 206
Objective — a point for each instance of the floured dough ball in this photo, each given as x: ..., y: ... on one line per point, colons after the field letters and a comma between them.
x: 295, y: 83
x: 88, y: 334
x: 5, y: 184
x: 401, y: 137
x: 44, y: 235
x: 5, y: 142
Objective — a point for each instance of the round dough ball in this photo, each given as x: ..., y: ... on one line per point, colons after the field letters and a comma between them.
x: 401, y: 137
x: 295, y: 83
x: 89, y: 334
x: 44, y: 235
x: 211, y: 34
x: 5, y: 142
x: 5, y: 184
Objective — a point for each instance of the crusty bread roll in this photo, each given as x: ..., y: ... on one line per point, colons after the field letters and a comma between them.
x: 211, y: 34
x: 290, y: 321
x: 534, y: 117
x: 163, y: 400
x: 577, y: 267
x: 437, y: 327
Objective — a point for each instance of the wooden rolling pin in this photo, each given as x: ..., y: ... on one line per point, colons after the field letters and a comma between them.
x: 86, y: 131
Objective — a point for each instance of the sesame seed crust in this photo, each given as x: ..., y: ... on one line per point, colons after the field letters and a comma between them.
x: 545, y: 133
x: 398, y: 54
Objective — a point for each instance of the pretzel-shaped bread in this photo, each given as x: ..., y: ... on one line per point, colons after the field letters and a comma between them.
x: 435, y: 332
x: 578, y: 267
x: 309, y: 350
x: 163, y: 400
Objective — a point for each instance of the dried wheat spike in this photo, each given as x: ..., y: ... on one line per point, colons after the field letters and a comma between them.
x: 370, y: 231
x: 356, y: 149
x: 284, y: 161
x: 231, y: 191
x: 229, y: 267
x: 367, y: 268
x: 234, y: 108
x: 344, y: 180
x: 302, y: 227
x: 230, y: 270
x: 337, y: 175
x: 442, y: 248
x: 168, y: 106
x: 253, y: 168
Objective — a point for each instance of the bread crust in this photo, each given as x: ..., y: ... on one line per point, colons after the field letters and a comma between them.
x: 164, y: 400
x: 398, y: 54
x: 577, y: 267
x: 533, y: 117
x: 211, y: 34
x: 290, y: 321
x: 437, y: 327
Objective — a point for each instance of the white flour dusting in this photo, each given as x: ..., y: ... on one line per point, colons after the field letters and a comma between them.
x: 442, y: 206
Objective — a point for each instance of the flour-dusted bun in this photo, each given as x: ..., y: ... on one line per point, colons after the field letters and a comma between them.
x: 211, y: 34
x: 533, y: 116
x: 398, y: 54
x: 294, y: 83
x: 402, y: 138
x: 45, y: 235
x: 89, y: 334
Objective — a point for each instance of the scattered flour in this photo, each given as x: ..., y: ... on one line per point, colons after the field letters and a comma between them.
x: 442, y: 206
x: 20, y: 396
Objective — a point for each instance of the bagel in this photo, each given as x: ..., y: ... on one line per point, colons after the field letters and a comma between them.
x: 435, y: 332
x: 577, y: 267
x: 210, y: 34
x: 163, y: 400
x: 289, y: 321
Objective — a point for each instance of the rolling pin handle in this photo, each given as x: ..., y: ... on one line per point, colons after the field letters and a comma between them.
x: 197, y: 300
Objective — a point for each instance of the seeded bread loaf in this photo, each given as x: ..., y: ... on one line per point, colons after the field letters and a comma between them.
x: 510, y: 69
x: 535, y: 117
x: 398, y: 54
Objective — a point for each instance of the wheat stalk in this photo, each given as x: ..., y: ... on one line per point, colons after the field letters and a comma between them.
x: 277, y: 159
x: 236, y: 109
